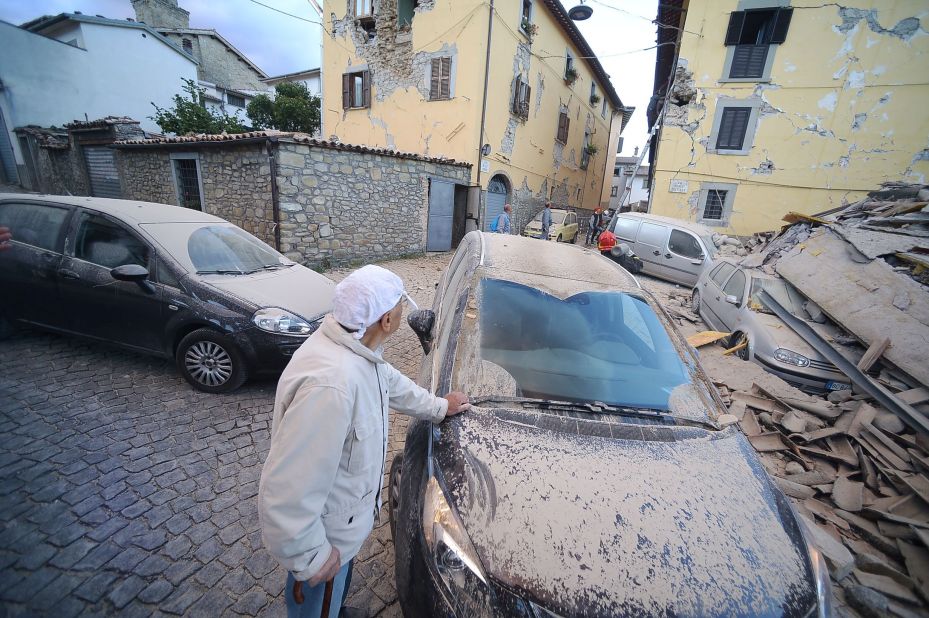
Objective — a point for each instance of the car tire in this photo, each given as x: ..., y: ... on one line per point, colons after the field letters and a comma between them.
x: 558, y: 239
x: 738, y: 339
x: 211, y: 362
x: 574, y: 240
x: 695, y: 302
x: 393, y: 493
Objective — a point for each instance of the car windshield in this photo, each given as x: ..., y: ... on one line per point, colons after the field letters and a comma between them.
x: 216, y: 248
x: 789, y: 298
x: 557, y: 217
x: 607, y: 347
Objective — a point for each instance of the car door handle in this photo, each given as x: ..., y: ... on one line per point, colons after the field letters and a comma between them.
x: 656, y: 252
x: 68, y: 274
x: 667, y: 256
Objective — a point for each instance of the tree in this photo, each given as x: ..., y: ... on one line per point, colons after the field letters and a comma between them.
x: 190, y: 115
x: 293, y: 108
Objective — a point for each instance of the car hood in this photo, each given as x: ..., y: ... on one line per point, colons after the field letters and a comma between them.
x: 682, y: 522
x: 778, y: 335
x: 297, y: 289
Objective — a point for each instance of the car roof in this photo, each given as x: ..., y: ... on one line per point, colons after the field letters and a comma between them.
x: 697, y: 228
x: 521, y: 256
x: 127, y: 210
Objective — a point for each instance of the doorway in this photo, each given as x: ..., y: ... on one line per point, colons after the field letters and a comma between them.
x: 497, y: 194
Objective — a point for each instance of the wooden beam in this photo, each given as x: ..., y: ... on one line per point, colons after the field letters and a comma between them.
x: 741, y: 346
x: 706, y: 337
x: 874, y: 352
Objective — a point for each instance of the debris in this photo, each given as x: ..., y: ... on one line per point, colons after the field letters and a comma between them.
x: 874, y: 352
x: 794, y: 468
x: 840, y: 396
x: 914, y: 396
x: 867, y: 602
x: 767, y: 441
x: 847, y: 494
x: 888, y: 422
x: 886, y: 586
x: 741, y: 346
x: 706, y: 337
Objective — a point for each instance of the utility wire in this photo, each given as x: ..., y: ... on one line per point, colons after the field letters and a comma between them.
x: 648, y: 19
x: 267, y: 6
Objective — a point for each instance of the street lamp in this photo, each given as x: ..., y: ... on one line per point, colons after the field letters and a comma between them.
x: 580, y: 12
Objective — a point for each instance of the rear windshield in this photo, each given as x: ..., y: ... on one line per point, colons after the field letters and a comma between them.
x: 592, y: 346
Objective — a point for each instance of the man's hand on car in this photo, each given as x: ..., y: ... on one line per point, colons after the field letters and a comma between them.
x: 457, y: 403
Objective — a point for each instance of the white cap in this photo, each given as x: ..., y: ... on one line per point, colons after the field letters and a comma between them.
x: 366, y: 295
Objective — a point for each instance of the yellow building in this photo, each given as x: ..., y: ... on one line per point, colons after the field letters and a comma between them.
x: 770, y: 106
x: 444, y: 78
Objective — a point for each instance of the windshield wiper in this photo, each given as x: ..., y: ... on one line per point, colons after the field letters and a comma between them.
x: 221, y: 272
x: 268, y: 267
x: 597, y: 408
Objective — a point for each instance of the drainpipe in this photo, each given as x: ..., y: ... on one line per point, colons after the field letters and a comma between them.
x: 480, y: 139
x: 609, y: 135
x: 275, y: 197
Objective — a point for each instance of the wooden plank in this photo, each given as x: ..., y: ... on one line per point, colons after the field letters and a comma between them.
x: 861, y: 298
x: 706, y: 337
x: 874, y: 352
x: 741, y: 346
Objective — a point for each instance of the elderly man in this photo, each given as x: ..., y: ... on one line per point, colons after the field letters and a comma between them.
x: 320, y: 487
x: 503, y: 220
x: 546, y: 220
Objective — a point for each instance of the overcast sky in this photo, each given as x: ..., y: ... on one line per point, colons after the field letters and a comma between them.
x: 281, y: 44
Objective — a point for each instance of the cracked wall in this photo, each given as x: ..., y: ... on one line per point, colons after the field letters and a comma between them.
x: 844, y: 110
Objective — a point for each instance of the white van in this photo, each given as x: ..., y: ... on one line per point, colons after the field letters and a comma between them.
x: 671, y: 249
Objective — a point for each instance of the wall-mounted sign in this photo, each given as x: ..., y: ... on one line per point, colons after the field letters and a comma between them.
x: 485, y: 165
x: 678, y: 186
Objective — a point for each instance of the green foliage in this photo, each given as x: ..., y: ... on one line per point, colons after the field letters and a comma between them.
x: 190, y: 115
x: 293, y: 108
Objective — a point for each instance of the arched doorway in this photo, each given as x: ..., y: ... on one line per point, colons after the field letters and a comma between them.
x: 498, y: 190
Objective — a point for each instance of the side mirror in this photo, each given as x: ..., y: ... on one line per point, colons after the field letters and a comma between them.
x: 422, y: 321
x: 732, y: 300
x: 133, y: 272
x: 698, y: 260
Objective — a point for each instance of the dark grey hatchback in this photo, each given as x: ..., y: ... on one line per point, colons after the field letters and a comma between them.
x: 166, y: 280
x: 592, y: 477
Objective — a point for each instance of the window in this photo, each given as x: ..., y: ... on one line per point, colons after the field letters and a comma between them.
x: 721, y: 272
x: 626, y: 228
x: 188, y: 45
x: 405, y: 11
x: 585, y: 153
x: 685, y: 244
x: 363, y: 8
x: 235, y: 100
x: 525, y: 16
x: 715, y: 202
x: 570, y: 73
x: 356, y: 90
x: 34, y: 224
x: 617, y: 170
x: 613, y: 191
x: 749, y: 37
x: 104, y: 243
x: 645, y: 183
x: 603, y: 109
x: 187, y: 180
x: 164, y: 274
x: 440, y: 79
x: 736, y: 285
x: 521, y: 94
x: 563, y: 124
x: 732, y: 128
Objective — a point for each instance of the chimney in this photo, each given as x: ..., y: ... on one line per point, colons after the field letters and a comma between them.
x: 161, y: 13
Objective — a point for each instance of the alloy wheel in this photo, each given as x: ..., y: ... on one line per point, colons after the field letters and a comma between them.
x: 208, y: 363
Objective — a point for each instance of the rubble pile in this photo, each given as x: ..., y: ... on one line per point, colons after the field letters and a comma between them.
x: 857, y: 470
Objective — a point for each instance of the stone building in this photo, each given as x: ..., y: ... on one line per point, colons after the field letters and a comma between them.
x: 321, y: 203
x: 220, y: 63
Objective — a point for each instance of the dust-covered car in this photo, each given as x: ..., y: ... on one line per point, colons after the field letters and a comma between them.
x: 593, y: 476
x: 726, y: 297
x: 563, y: 228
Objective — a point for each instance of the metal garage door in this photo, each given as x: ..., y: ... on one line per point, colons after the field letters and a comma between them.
x: 101, y: 168
x: 441, y: 209
x: 495, y: 203
x: 7, y: 162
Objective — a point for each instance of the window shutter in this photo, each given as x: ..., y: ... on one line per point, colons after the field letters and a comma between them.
x: 346, y: 91
x: 567, y: 127
x: 527, y: 99
x: 748, y: 61
x: 562, y: 118
x: 445, y: 85
x: 732, y: 128
x: 434, y: 79
x: 736, y: 18
x: 781, y: 23
x: 366, y: 88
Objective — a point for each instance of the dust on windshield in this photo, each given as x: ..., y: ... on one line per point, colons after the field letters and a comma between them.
x: 557, y: 217
x: 593, y: 346
x: 216, y: 249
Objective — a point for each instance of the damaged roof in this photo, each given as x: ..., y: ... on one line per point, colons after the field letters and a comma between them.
x: 203, y: 139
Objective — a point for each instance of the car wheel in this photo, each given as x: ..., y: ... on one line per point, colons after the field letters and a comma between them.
x: 211, y: 362
x: 574, y: 240
x: 393, y: 498
x: 736, y: 340
x: 695, y: 302
x: 558, y: 239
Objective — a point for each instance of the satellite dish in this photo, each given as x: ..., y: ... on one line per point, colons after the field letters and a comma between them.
x: 580, y: 12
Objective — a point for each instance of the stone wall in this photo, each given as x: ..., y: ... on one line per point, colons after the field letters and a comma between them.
x: 218, y: 64
x: 339, y: 207
x: 236, y: 183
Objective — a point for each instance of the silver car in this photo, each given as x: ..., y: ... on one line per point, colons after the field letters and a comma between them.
x: 726, y: 297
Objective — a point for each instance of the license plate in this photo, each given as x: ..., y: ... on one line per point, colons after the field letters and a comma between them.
x: 837, y: 386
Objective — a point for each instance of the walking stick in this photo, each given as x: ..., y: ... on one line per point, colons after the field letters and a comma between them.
x: 327, y: 596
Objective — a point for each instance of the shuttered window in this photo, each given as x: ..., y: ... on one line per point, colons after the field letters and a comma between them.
x: 732, y: 128
x: 715, y: 202
x: 356, y: 90
x: 521, y: 94
x: 563, y: 124
x: 440, y: 79
x: 752, y: 32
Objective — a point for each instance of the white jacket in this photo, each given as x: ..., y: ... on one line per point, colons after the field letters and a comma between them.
x: 320, y: 485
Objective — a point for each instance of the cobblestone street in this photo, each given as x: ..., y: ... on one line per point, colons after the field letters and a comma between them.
x: 124, y: 490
